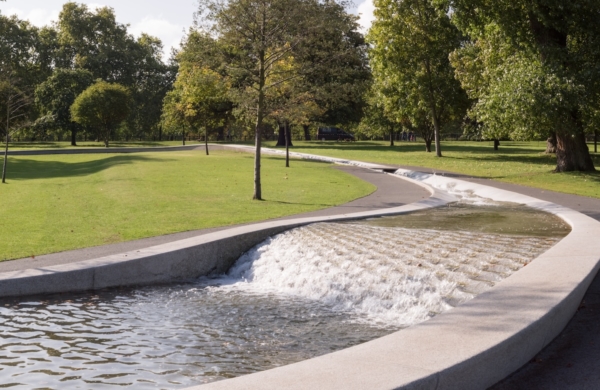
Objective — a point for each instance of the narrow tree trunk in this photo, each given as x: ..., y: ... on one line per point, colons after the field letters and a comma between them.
x: 106, y: 138
x: 391, y: 135
x: 551, y: 144
x: 572, y: 153
x: 160, y: 133
x: 257, y: 142
x: 436, y: 132
x: 306, y: 132
x: 206, y: 139
x: 595, y: 141
x: 73, y: 137
x: 496, y: 143
x: 5, y: 156
x: 287, y: 145
x: 183, y: 137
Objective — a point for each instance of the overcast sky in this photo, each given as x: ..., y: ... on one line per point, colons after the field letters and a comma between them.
x: 167, y: 20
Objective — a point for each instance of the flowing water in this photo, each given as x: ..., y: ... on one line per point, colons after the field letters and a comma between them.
x: 303, y: 293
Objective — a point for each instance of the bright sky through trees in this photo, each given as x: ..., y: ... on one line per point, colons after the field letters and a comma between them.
x: 165, y: 20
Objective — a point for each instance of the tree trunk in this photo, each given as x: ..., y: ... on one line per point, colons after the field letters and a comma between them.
x: 496, y: 143
x: 551, y: 144
x: 391, y: 135
x: 572, y: 153
x: 73, y: 137
x: 206, y: 139
x: 183, y: 137
x: 595, y: 141
x: 106, y: 138
x: 306, y: 132
x: 436, y: 132
x: 287, y: 145
x: 284, y: 133
x: 428, y: 145
x: 257, y: 142
x: 160, y: 132
x: 5, y: 157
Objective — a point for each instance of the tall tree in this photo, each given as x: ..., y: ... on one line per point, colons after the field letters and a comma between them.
x: 104, y: 106
x: 411, y: 42
x: 256, y: 34
x: 55, y: 96
x: 533, y: 67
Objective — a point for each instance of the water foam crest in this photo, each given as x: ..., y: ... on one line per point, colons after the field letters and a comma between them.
x: 388, y: 276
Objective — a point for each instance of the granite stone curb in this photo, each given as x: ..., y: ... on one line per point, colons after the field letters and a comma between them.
x: 474, y: 345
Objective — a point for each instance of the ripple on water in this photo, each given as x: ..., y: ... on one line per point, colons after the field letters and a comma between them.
x: 303, y: 293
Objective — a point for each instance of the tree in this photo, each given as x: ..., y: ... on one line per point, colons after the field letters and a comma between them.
x: 15, y: 101
x: 104, y: 106
x: 199, y: 98
x: 256, y: 34
x: 55, y: 96
x: 411, y: 42
x: 533, y: 67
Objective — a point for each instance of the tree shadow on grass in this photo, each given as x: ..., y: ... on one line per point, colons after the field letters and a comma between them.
x: 27, y: 169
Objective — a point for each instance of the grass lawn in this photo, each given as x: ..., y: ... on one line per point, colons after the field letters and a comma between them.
x: 90, y: 144
x: 516, y: 162
x: 60, y: 202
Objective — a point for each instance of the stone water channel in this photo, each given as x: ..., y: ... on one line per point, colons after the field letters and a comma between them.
x: 300, y: 294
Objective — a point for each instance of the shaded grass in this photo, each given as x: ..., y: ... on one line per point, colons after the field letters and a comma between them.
x: 60, y: 202
x: 91, y: 144
x: 516, y: 162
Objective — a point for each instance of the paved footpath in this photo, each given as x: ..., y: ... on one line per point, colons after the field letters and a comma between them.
x: 571, y: 361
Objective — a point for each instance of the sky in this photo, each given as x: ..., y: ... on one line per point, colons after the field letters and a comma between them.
x: 167, y: 20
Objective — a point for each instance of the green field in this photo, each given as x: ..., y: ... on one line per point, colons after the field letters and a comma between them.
x: 90, y: 144
x: 516, y: 162
x: 60, y: 202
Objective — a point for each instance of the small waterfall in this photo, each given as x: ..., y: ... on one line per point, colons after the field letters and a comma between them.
x: 387, y: 276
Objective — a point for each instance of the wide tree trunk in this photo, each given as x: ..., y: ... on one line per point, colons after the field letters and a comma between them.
x: 496, y: 143
x: 428, y: 145
x: 572, y: 153
x: 73, y: 137
x: 551, y: 144
x: 306, y: 132
x: 436, y: 132
x: 284, y: 133
x: 391, y: 135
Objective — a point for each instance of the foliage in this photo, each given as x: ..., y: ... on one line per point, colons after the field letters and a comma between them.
x: 411, y: 42
x: 198, y: 99
x: 533, y: 67
x: 103, y: 106
x: 55, y: 96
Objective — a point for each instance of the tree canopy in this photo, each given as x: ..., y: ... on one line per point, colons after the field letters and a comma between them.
x: 103, y: 106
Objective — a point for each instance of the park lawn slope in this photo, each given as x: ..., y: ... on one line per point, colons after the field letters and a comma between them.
x: 516, y: 162
x: 61, y: 202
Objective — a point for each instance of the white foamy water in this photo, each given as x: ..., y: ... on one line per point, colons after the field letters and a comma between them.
x: 387, y: 276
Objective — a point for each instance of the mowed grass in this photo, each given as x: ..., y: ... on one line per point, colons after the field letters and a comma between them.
x: 90, y: 144
x: 60, y: 202
x: 516, y: 162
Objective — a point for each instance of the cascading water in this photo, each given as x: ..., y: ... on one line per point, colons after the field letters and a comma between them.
x: 300, y: 294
